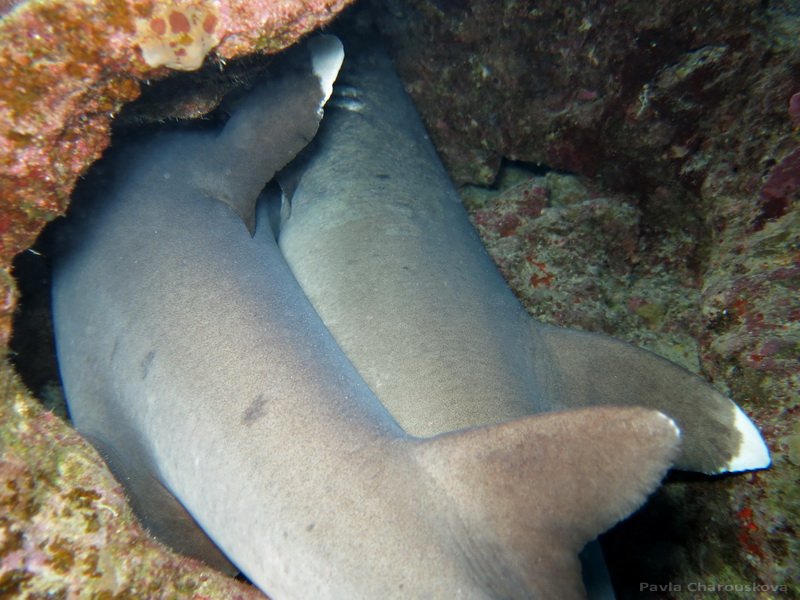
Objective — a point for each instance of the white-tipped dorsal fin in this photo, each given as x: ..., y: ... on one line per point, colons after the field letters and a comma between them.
x: 327, y: 54
x: 593, y: 370
x: 269, y: 126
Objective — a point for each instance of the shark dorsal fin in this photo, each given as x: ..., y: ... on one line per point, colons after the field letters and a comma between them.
x: 532, y: 492
x: 275, y: 121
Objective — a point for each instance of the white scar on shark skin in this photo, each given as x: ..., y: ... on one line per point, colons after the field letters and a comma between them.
x: 195, y: 362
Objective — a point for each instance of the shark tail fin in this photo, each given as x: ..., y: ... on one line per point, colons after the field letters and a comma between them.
x: 533, y: 491
x: 271, y: 124
x: 598, y: 370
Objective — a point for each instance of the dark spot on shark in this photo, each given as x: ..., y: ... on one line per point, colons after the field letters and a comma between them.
x: 255, y: 411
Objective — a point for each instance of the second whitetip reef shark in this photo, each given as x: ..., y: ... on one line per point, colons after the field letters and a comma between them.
x: 378, y: 418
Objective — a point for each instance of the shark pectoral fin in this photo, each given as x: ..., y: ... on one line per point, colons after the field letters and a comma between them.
x: 584, y: 369
x: 596, y: 578
x: 160, y: 512
x: 269, y: 126
x: 532, y: 492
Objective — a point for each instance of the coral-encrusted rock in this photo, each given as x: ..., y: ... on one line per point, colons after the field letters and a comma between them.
x: 66, y: 68
x: 575, y: 256
x: 614, y: 90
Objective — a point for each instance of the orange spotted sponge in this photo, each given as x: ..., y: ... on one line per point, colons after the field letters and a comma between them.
x: 179, y: 35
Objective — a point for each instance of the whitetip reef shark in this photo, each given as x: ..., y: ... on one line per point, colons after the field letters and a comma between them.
x: 378, y: 239
x: 193, y: 359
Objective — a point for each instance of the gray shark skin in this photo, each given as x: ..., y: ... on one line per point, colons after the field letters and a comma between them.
x: 378, y: 239
x: 193, y: 359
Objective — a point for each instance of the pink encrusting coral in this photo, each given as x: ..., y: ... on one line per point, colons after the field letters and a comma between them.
x: 794, y: 108
x: 779, y: 190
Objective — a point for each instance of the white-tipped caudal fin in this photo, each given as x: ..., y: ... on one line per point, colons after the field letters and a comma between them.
x: 587, y: 369
x: 530, y: 493
x: 751, y: 452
